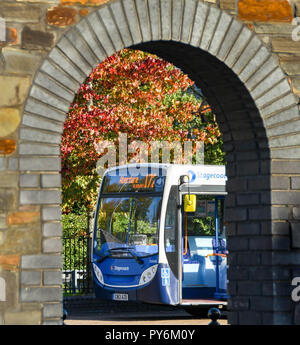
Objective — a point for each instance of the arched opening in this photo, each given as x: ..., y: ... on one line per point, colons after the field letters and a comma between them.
x: 246, y: 96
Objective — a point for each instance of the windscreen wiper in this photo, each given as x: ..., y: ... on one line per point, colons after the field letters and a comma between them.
x: 138, y: 259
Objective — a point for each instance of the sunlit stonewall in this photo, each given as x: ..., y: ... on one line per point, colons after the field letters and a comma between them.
x: 49, y: 47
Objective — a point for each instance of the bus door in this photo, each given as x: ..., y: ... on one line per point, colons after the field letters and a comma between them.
x: 204, y: 262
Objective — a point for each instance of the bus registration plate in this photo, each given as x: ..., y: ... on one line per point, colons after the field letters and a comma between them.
x: 120, y: 297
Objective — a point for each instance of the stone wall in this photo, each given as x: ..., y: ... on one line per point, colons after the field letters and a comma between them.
x: 30, y: 229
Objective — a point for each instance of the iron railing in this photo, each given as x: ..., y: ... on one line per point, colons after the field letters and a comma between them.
x: 76, y: 274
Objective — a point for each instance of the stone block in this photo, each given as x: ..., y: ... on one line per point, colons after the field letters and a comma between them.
x: 40, y: 197
x: 14, y: 218
x: 30, y: 277
x: 61, y: 16
x: 51, y: 245
x: 228, y: 5
x: 236, y: 214
x: 54, y: 86
x: 237, y: 243
x: 295, y: 235
x: 248, y: 54
x: 52, y: 310
x: 20, y: 61
x: 262, y: 303
x: 22, y: 239
x: 48, y: 98
x: 8, y: 180
x: 7, y: 199
x: 37, y: 122
x: 141, y: 7
x: 40, y: 164
x: 285, y: 45
x: 52, y: 278
x: 286, y: 128
x: 210, y: 25
x: 238, y: 46
x: 7, y: 146
x: 261, y: 73
x: 247, y: 199
x: 41, y: 261
x: 292, y: 153
x: 246, y: 229
x: 101, y: 34
x: 40, y: 294
x: 154, y: 15
x: 133, y: 23
x: 260, y: 243
x: 88, y: 35
x: 295, y: 182
x: 232, y: 35
x: 273, y: 78
x: 296, y: 212
x: 14, y: 90
x: 39, y: 136
x: 51, y: 213
x: 290, y: 64
x: 44, y: 110
x: 29, y: 180
x: 219, y: 34
x: 249, y: 288
x: 39, y: 149
x: 84, y: 2
x: 11, y: 37
x: 51, y: 180
x: 70, y: 51
x: 199, y: 22
x: 277, y: 91
x: 52, y: 229
x: 265, y: 11
x: 281, y: 104
x: 28, y: 317
x: 82, y: 46
x: 63, y: 78
x: 10, y: 262
x: 109, y: 24
x: 12, y: 163
x: 21, y: 13
x: 259, y: 58
x: 36, y: 39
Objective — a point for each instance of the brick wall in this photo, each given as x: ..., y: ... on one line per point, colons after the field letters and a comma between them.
x: 50, y: 48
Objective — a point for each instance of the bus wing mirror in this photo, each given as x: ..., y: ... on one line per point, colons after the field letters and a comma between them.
x: 190, y: 203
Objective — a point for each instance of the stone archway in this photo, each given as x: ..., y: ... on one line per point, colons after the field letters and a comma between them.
x: 256, y: 109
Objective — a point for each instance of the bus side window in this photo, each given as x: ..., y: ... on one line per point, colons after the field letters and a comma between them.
x: 171, y: 233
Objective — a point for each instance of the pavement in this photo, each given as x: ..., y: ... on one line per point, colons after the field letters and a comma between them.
x: 177, y: 317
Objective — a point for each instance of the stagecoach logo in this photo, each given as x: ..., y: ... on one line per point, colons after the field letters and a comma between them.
x: 119, y: 268
x: 192, y: 176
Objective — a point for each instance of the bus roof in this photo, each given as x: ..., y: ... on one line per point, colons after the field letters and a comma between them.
x: 198, y: 174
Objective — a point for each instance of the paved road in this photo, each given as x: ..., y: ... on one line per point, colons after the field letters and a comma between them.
x: 179, y: 317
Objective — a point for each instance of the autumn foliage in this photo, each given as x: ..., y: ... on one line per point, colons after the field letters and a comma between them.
x: 131, y: 92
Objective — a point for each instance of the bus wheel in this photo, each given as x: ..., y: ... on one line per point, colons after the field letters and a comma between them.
x: 197, y: 312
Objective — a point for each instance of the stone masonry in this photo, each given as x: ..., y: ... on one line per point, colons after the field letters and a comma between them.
x: 245, y: 55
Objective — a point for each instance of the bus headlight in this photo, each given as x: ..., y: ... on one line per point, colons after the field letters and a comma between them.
x: 98, y: 274
x: 148, y: 275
